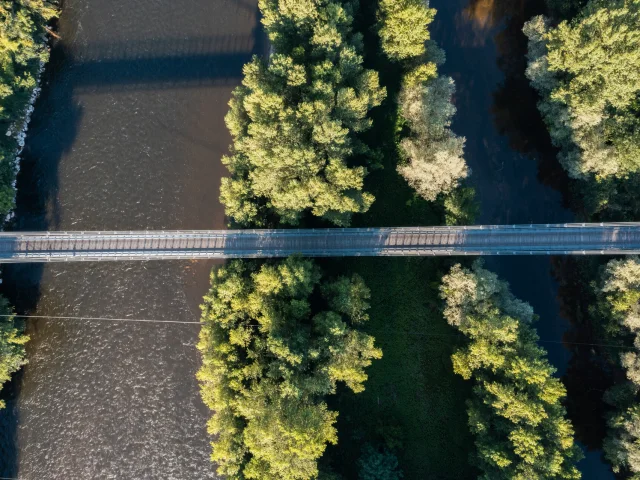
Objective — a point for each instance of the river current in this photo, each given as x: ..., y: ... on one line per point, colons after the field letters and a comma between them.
x: 127, y: 134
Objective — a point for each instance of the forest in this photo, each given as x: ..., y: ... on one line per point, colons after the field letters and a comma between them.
x: 23, y: 53
x: 349, y: 123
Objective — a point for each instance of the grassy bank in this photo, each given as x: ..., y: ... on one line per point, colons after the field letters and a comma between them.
x: 413, y: 386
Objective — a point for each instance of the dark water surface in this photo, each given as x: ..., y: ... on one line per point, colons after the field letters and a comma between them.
x: 128, y: 134
x: 514, y: 170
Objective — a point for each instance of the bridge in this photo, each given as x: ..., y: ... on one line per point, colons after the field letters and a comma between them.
x: 552, y: 239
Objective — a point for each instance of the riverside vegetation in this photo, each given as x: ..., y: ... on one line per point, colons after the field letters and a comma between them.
x: 294, y: 120
x: 585, y: 63
x: 515, y: 411
x: 587, y: 71
x: 285, y: 345
x: 276, y: 340
x: 23, y: 51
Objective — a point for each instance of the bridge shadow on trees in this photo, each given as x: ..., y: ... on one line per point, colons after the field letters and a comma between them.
x: 199, y: 62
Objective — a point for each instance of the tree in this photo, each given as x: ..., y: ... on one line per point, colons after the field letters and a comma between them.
x: 12, y: 356
x: 588, y: 74
x: 403, y: 27
x: 432, y: 155
x: 515, y: 412
x: 378, y: 465
x: 618, y: 297
x: 276, y: 339
x: 461, y: 207
x: 295, y: 120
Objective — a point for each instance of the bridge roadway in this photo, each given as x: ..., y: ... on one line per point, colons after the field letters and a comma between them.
x: 558, y: 239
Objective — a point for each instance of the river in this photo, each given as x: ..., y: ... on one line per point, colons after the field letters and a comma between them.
x: 514, y: 170
x: 127, y: 134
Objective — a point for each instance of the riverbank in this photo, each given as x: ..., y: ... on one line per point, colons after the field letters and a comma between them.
x: 25, y: 30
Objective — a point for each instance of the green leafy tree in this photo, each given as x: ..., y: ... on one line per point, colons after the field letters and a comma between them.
x: 618, y: 308
x: 461, y: 207
x: 432, y: 155
x: 276, y: 339
x: 516, y: 412
x: 403, y: 27
x: 11, y: 344
x: 378, y: 465
x: 295, y: 120
x: 588, y: 74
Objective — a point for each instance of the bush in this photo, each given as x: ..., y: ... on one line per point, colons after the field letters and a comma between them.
x: 276, y: 339
x: 378, y: 465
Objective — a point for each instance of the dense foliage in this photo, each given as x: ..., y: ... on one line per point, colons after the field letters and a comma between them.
x: 295, y: 119
x: 403, y: 27
x: 587, y: 71
x: 433, y: 162
x: 276, y: 340
x: 618, y: 306
x: 11, y: 344
x: 515, y: 413
x: 22, y: 52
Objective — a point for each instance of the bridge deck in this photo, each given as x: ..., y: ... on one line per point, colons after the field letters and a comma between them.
x: 562, y: 239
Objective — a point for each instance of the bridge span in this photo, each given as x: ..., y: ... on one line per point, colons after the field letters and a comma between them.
x: 552, y: 239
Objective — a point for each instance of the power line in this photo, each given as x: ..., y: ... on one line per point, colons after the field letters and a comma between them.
x: 103, y: 319
x: 183, y: 322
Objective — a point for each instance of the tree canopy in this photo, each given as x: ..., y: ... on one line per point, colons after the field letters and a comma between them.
x: 618, y: 307
x: 276, y: 339
x: 22, y: 52
x: 515, y: 412
x: 11, y: 344
x: 296, y: 118
x: 587, y: 71
x: 404, y: 27
x: 432, y: 155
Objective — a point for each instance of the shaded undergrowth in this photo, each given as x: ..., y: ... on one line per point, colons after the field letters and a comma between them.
x: 413, y: 386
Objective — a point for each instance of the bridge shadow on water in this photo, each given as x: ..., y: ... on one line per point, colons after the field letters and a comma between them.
x: 199, y: 62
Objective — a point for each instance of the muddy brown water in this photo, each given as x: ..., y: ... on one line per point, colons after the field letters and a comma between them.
x: 127, y: 134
